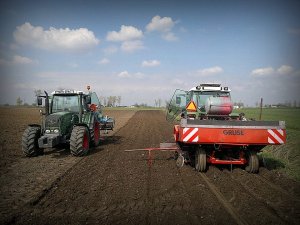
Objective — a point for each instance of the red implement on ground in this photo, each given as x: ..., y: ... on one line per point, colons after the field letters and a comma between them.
x: 209, y: 133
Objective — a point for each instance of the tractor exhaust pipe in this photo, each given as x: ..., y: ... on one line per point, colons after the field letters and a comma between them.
x: 46, y: 104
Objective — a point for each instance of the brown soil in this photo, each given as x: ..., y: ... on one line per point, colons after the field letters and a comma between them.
x: 111, y: 186
x: 24, y: 180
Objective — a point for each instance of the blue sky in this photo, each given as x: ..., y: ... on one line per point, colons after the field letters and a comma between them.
x: 144, y: 50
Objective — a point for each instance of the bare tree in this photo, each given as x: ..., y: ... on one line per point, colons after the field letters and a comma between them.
x: 109, y: 101
x: 37, y: 92
x: 19, y: 101
x: 114, y: 100
x: 159, y: 102
x: 105, y: 101
x: 119, y: 100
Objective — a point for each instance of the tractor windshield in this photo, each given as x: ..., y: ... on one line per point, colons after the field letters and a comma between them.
x: 65, y: 103
x: 200, y: 97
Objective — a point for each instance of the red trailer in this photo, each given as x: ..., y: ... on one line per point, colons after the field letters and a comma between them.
x: 209, y: 133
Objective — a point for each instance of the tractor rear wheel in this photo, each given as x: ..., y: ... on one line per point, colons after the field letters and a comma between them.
x: 30, y: 146
x: 200, y: 160
x: 253, y: 162
x: 95, y: 134
x: 79, y: 141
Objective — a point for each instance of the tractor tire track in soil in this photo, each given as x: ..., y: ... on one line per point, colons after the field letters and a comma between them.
x: 112, y: 186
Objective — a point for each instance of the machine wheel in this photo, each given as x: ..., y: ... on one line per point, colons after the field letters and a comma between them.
x: 79, y: 141
x: 180, y: 161
x: 253, y: 162
x: 176, y: 155
x: 95, y: 134
x: 30, y: 146
x: 200, y: 160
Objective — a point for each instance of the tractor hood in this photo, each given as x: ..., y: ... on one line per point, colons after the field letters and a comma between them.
x: 62, y: 121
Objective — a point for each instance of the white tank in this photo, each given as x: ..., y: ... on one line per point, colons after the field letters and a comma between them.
x: 218, y: 105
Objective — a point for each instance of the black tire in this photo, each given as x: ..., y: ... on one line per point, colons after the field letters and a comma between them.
x: 30, y: 146
x: 95, y: 134
x: 180, y: 161
x: 79, y: 141
x: 176, y: 155
x: 253, y: 162
x: 200, y: 160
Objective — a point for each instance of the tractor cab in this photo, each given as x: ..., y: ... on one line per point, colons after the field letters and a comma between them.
x: 65, y: 103
x: 206, y: 101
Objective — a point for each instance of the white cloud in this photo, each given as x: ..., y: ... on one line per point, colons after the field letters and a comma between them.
x: 164, y: 25
x: 157, y: 23
x: 104, y: 61
x: 261, y: 72
x: 285, y: 70
x: 55, y: 39
x: 150, y: 63
x: 18, y: 60
x: 270, y: 71
x: 129, y: 36
x: 126, y: 33
x: 210, y: 71
x: 169, y: 36
x: 126, y: 74
x: 23, y: 60
x: 131, y: 46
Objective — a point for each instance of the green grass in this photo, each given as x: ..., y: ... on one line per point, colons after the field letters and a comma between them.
x: 285, y: 158
x: 291, y: 116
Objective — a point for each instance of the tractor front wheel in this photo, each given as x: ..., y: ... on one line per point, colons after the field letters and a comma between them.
x: 79, y: 141
x: 200, y: 160
x: 30, y: 146
x: 253, y: 162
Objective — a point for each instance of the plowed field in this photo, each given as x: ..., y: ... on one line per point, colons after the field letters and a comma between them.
x: 111, y: 186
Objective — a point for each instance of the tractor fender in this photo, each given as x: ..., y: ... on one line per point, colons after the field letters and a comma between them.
x: 176, y: 132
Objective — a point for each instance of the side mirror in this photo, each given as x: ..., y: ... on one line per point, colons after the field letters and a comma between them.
x: 39, y: 101
x: 88, y: 99
x: 178, y: 100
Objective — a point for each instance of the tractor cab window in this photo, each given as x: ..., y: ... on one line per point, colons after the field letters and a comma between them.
x: 95, y: 101
x: 62, y: 103
x: 200, y: 97
x: 177, y: 104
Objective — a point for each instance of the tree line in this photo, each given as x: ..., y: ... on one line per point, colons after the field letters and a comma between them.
x: 110, y: 101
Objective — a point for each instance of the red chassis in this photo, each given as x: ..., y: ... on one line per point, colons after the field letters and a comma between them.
x: 221, y: 136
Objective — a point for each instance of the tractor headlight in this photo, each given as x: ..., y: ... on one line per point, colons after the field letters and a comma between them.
x: 56, y: 131
x: 47, y: 131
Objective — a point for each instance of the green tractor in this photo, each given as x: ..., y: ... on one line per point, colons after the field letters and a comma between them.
x: 71, y: 117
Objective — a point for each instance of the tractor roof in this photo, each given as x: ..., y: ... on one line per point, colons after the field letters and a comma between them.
x: 210, y: 87
x: 66, y: 92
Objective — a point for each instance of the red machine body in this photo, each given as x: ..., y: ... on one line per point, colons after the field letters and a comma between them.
x: 208, y: 133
